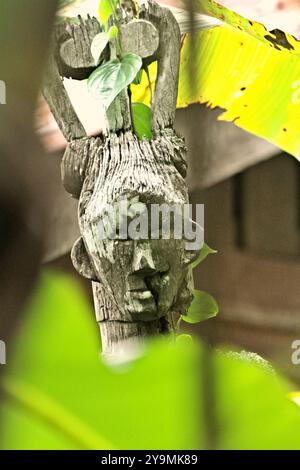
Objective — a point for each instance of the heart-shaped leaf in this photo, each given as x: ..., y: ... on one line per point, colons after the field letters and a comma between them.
x: 142, y: 120
x: 202, y: 308
x: 108, y: 80
x: 98, y: 45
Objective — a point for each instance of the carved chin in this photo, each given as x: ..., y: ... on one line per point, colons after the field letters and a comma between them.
x: 141, y: 306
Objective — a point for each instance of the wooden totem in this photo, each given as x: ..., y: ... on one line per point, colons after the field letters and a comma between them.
x: 139, y: 283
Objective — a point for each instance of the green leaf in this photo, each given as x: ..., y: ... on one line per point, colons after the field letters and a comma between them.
x: 142, y: 120
x: 99, y: 43
x: 138, y: 78
x: 113, y: 32
x: 204, y: 252
x: 202, y: 308
x: 43, y: 406
x: 106, y: 10
x: 108, y: 80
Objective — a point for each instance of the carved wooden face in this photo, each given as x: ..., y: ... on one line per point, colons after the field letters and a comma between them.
x: 153, y: 279
x: 146, y: 277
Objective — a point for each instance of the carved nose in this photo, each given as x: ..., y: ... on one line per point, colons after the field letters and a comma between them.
x: 142, y: 259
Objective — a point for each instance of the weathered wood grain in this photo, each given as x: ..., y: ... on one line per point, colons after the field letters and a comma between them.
x: 139, y: 37
x: 168, y: 56
x: 75, y: 52
x: 138, y: 284
x: 124, y: 339
x: 146, y: 170
x: 62, y: 228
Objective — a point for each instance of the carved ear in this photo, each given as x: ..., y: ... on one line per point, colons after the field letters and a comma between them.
x: 82, y: 262
x: 73, y: 165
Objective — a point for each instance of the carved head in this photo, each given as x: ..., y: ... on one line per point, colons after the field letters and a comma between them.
x: 131, y: 242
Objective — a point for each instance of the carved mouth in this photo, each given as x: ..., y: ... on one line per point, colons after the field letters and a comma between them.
x: 141, y: 294
x: 143, y: 300
x: 142, y: 305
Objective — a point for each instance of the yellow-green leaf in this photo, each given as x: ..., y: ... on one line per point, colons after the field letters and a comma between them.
x: 106, y: 10
x: 253, y: 74
x: 113, y: 32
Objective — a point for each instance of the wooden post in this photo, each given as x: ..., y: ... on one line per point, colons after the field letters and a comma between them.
x: 138, y: 284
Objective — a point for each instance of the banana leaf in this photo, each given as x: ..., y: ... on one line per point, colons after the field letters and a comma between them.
x: 241, y: 67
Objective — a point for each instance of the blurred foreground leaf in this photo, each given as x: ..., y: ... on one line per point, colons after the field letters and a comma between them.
x: 58, y: 394
x: 253, y: 409
x: 57, y: 354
